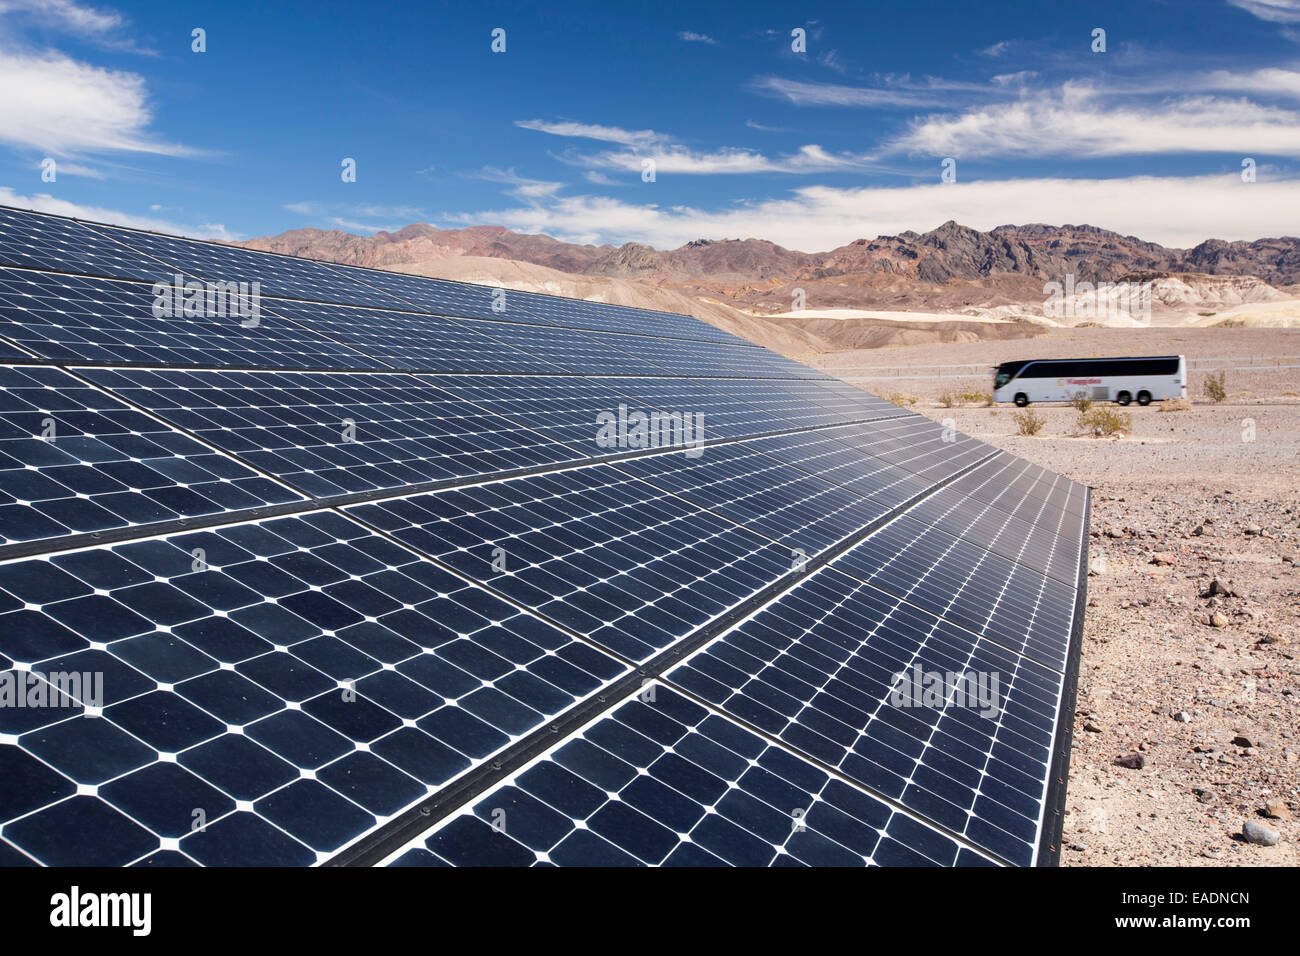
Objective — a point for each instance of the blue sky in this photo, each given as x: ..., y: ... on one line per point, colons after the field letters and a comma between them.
x: 747, y: 136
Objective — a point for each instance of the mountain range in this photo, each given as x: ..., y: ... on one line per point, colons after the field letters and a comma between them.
x: 952, y: 268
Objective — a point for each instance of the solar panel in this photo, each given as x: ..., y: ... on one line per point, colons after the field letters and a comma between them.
x: 312, y: 679
x: 415, y: 572
x: 278, y: 276
x: 62, y: 245
x: 75, y: 460
x: 669, y: 783
x: 336, y: 433
x: 67, y: 318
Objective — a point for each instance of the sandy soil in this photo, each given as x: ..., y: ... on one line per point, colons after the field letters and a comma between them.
x: 1211, y: 704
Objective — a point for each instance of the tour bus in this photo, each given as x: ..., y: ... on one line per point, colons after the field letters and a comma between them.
x: 1145, y: 379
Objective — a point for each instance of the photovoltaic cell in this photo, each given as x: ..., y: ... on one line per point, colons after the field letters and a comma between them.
x: 310, y: 681
x: 61, y: 245
x: 663, y: 782
x: 1020, y: 608
x: 592, y: 548
x: 277, y: 276
x: 412, y: 341
x: 336, y: 433
x: 72, y: 318
x: 974, y: 757
x: 794, y: 508
x: 75, y: 460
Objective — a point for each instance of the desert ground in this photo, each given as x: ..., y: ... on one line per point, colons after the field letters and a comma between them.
x: 1209, y: 702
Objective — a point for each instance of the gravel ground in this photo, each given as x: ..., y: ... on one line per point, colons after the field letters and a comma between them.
x: 1202, y: 686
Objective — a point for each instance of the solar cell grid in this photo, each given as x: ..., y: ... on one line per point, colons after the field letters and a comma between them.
x: 592, y: 548
x: 75, y: 460
x: 308, y: 681
x: 311, y: 680
x: 726, y: 411
x: 73, y: 318
x: 820, y: 453
x: 278, y: 276
x: 1022, y: 609
x: 335, y: 433
x: 432, y: 295
x: 1042, y: 540
x: 661, y: 781
x: 410, y: 341
x: 818, y: 669
x: 796, y: 509
x: 34, y: 241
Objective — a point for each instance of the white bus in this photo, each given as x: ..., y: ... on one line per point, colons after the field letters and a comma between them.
x: 1146, y: 379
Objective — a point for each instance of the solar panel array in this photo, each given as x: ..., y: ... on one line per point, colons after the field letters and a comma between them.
x: 396, y: 570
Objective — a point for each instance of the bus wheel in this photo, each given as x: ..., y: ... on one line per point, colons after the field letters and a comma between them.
x: 1144, y: 398
x: 1021, y: 399
x: 1123, y: 398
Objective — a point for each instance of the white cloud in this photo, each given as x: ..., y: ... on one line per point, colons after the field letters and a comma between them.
x: 66, y: 15
x: 67, y: 107
x: 359, y: 217
x: 1274, y: 11
x: 802, y: 93
x: 607, y: 134
x: 691, y: 37
x: 43, y: 202
x: 995, y: 50
x: 726, y: 161
x: 1077, y: 122
x: 1174, y: 211
x: 100, y: 27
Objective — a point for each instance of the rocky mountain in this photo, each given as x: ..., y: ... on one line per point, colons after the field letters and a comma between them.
x: 999, y: 274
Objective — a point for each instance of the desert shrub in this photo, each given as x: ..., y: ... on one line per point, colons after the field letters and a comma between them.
x: 1088, y: 325
x: 947, y: 400
x: 1175, y: 405
x: 1106, y: 420
x: 1081, y: 402
x: 1289, y: 394
x: 976, y: 397
x: 1028, y: 421
x: 1230, y: 324
x: 1216, y: 386
x: 899, y: 398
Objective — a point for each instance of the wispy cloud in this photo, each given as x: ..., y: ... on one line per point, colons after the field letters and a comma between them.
x: 358, y: 217
x: 606, y: 134
x: 100, y: 27
x: 43, y: 202
x: 1077, y: 121
x: 67, y: 106
x: 692, y: 37
x: 1178, y: 211
x: 1274, y: 11
x: 672, y: 157
x: 804, y: 93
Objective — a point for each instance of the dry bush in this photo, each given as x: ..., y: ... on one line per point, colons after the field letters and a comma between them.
x: 1081, y: 402
x: 1175, y: 405
x: 1028, y: 421
x: 1216, y: 386
x: 976, y: 397
x: 947, y: 400
x: 899, y: 398
x: 1106, y: 421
